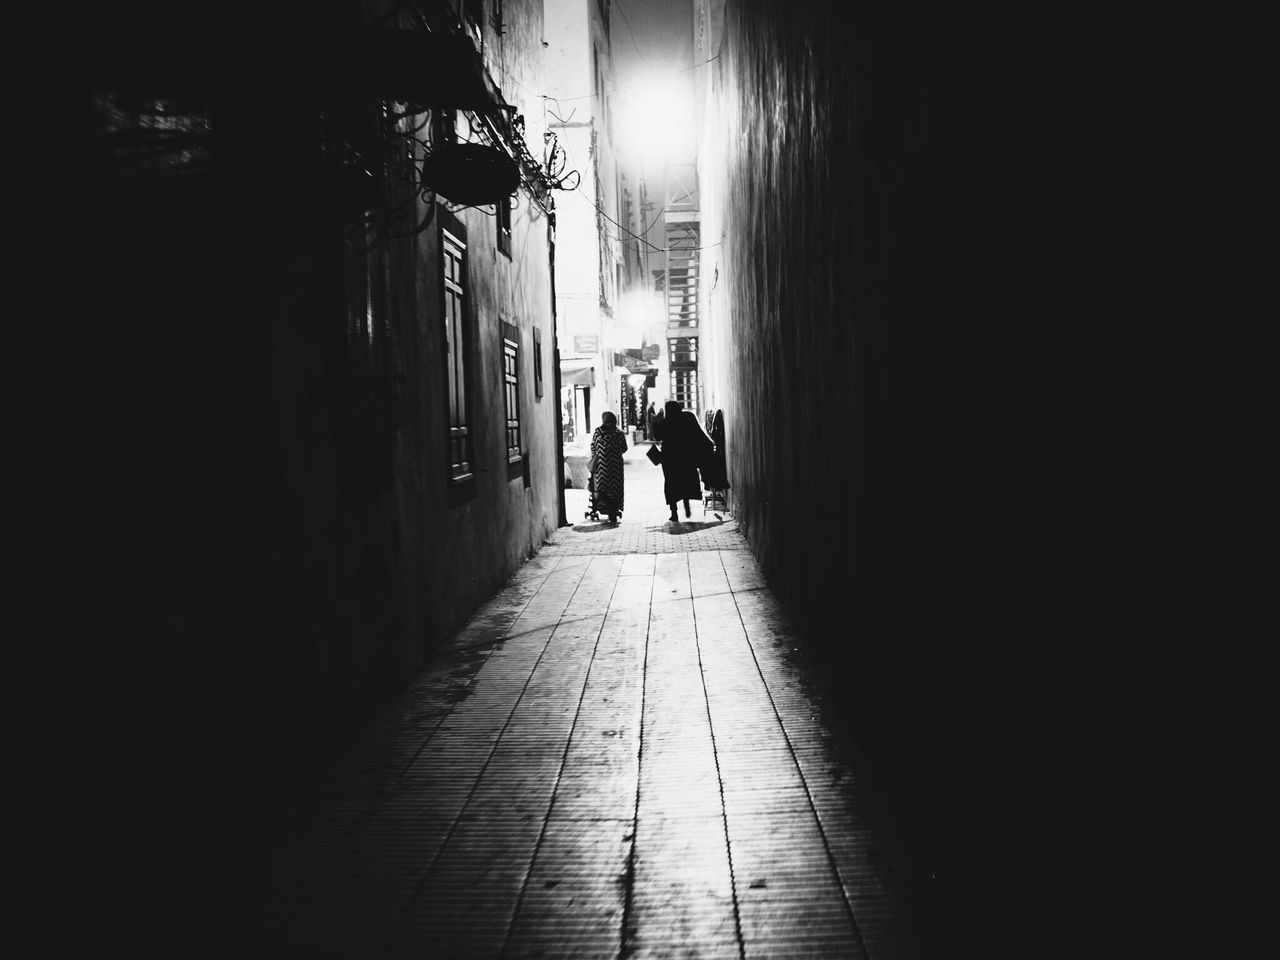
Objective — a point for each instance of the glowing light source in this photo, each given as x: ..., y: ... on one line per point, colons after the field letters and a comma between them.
x: 657, y: 120
x: 636, y: 313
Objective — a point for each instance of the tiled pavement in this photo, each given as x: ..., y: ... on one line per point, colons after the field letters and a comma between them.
x: 619, y: 756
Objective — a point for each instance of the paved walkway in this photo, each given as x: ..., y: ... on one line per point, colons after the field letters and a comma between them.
x: 619, y: 756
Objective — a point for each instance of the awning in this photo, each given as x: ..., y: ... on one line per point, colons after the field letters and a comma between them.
x: 577, y: 373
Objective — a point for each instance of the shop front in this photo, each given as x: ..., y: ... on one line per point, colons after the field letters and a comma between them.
x: 577, y: 378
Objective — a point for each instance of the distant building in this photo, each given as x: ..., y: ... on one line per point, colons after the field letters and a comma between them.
x: 664, y: 236
x: 591, y: 263
x: 712, y: 326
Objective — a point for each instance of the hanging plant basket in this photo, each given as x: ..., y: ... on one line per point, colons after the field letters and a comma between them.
x: 471, y: 173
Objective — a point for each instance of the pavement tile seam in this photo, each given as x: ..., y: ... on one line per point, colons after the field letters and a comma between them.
x: 458, y: 641
x: 554, y: 790
x: 425, y: 880
x: 627, y: 930
x: 547, y: 822
x: 813, y: 809
x: 724, y: 823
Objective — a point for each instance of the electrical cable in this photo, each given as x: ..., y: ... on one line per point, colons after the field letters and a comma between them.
x: 627, y: 21
x: 600, y: 210
x: 647, y: 243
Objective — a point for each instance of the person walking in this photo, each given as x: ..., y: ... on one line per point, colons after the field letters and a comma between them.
x: 685, y: 447
x: 607, y: 447
x: 655, y: 423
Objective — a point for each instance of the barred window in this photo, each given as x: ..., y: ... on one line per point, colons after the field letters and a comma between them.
x: 684, y: 387
x: 453, y: 251
x: 682, y: 351
x: 511, y: 388
x: 682, y: 357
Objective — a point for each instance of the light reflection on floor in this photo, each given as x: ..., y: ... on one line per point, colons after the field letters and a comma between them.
x: 634, y: 765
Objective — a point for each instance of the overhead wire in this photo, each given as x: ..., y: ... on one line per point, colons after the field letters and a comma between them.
x: 627, y: 20
x: 636, y: 236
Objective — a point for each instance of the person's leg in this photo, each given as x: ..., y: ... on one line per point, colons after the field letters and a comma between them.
x: 674, y: 517
x: 686, y: 508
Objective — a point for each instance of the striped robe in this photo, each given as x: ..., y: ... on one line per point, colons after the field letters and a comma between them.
x: 607, y: 447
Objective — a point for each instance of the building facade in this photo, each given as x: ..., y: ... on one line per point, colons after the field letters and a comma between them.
x: 323, y: 422
x: 663, y: 235
x: 591, y: 262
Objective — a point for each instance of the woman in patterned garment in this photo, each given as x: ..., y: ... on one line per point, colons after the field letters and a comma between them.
x: 607, y: 446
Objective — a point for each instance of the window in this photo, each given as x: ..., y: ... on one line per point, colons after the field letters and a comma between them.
x: 504, y: 225
x: 453, y: 251
x: 511, y: 388
x: 684, y: 387
x: 682, y: 355
x: 537, y: 362
x: 682, y: 351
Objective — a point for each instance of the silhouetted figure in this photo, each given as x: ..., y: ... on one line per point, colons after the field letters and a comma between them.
x: 655, y: 423
x: 715, y: 472
x: 685, y: 448
x: 607, y: 447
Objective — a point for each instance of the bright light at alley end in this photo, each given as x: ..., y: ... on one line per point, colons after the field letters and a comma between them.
x: 639, y: 314
x: 657, y: 120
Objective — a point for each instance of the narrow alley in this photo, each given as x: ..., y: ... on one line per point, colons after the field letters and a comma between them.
x: 349, y: 286
x: 621, y: 754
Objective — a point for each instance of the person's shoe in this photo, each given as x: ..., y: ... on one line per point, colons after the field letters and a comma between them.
x: 674, y: 518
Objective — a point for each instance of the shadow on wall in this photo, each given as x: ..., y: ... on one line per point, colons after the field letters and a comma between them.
x: 871, y: 190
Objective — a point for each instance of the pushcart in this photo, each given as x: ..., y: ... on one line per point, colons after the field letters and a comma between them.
x: 716, y: 500
x: 593, y: 508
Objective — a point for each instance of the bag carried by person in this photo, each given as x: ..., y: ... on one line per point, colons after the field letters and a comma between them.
x: 654, y: 454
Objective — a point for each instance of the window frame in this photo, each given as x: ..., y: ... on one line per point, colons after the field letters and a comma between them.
x: 502, y: 214
x: 456, y: 357
x: 537, y: 364
x: 682, y: 364
x: 684, y: 387
x: 511, y: 398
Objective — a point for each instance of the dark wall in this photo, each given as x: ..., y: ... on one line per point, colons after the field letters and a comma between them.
x: 881, y: 245
x: 266, y: 542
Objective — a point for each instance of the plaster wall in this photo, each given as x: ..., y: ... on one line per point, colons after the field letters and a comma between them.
x: 568, y: 32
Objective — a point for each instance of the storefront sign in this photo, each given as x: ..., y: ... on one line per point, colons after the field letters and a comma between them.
x: 588, y: 343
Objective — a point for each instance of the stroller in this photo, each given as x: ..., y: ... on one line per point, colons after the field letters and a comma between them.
x: 594, y: 508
